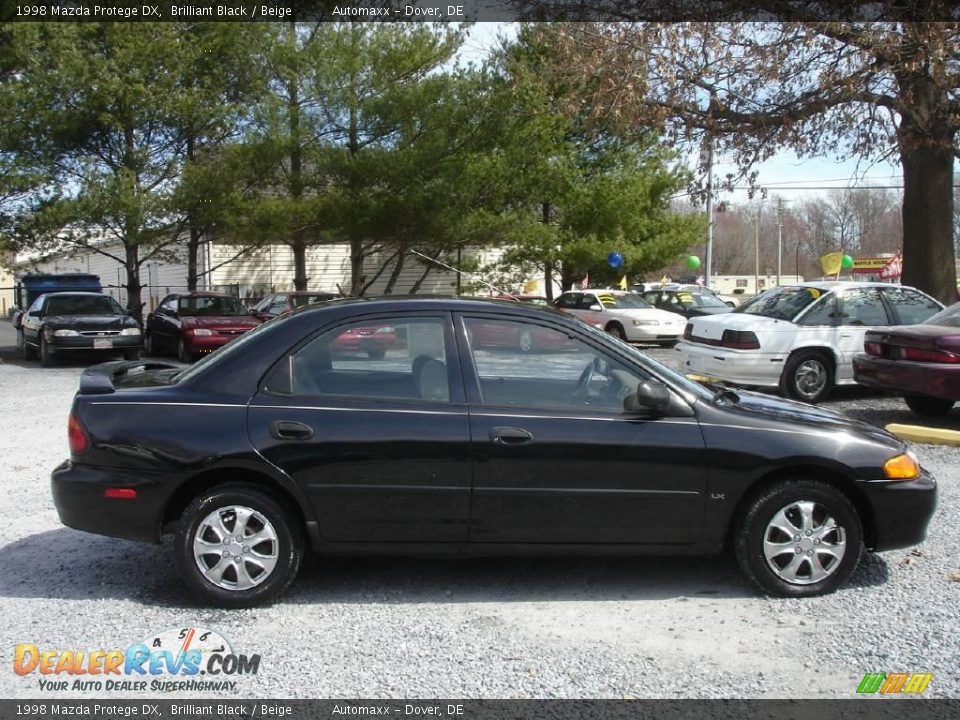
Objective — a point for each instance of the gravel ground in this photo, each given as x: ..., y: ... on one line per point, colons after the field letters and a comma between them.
x: 565, y: 628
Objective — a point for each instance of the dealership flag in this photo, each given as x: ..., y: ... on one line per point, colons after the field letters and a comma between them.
x: 831, y: 263
x: 893, y: 268
x: 623, y: 283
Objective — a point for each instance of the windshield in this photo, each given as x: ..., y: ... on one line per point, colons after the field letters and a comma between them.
x: 782, y: 303
x: 946, y: 318
x: 705, y: 300
x: 210, y: 305
x: 82, y: 305
x: 621, y: 301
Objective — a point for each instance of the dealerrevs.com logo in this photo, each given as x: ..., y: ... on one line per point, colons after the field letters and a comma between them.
x: 894, y: 683
x: 177, y: 659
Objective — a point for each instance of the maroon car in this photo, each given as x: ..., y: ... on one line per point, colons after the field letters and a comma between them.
x: 190, y: 324
x: 921, y: 362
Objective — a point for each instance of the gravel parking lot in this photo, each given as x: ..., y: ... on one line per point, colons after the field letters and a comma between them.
x: 579, y: 628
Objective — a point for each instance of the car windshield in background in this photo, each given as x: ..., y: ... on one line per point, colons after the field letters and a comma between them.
x: 946, y: 318
x: 783, y: 303
x: 82, y: 305
x: 208, y: 306
x: 303, y: 300
x: 624, y: 301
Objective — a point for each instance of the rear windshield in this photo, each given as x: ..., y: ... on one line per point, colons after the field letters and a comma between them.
x: 782, y: 303
x: 621, y: 301
x: 82, y: 305
x: 946, y: 318
x: 198, y: 306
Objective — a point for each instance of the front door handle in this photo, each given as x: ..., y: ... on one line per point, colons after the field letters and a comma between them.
x: 510, y: 436
x: 290, y: 430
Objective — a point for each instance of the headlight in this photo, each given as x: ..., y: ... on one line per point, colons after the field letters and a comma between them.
x: 902, y: 467
x: 646, y: 322
x: 199, y: 331
x: 130, y: 331
x: 65, y: 333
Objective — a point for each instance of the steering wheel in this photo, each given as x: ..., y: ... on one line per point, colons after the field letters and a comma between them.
x: 583, y: 382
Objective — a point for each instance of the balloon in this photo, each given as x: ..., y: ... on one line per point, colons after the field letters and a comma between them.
x: 847, y: 262
x: 693, y: 262
x: 615, y: 259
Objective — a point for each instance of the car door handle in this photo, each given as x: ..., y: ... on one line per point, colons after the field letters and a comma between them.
x: 510, y: 436
x: 290, y: 430
x: 846, y: 335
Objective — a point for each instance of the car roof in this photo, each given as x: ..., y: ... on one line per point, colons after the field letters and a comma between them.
x: 205, y: 293
x: 428, y: 302
x: 839, y: 284
x: 74, y: 293
x: 307, y: 292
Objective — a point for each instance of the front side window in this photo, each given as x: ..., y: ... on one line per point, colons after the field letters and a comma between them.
x: 862, y: 307
x: 569, y: 301
x: 525, y: 365
x: 911, y: 307
x: 375, y: 359
x: 822, y: 314
x: 782, y: 303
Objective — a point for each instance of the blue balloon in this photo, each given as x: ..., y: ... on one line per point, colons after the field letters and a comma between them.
x: 615, y: 259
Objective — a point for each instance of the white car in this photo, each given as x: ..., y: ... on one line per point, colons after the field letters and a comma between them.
x: 624, y: 314
x: 798, y: 338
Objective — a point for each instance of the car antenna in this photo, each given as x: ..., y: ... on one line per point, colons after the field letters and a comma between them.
x: 464, y: 272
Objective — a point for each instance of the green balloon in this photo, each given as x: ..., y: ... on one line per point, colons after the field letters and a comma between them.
x: 847, y: 262
x: 693, y: 262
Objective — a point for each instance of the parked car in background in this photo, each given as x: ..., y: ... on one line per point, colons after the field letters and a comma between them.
x: 32, y: 285
x: 689, y: 303
x: 449, y: 449
x: 799, y: 338
x: 191, y: 324
x: 920, y: 362
x: 729, y: 300
x: 62, y: 322
x: 371, y: 340
x: 538, y: 300
x: 623, y: 314
x: 278, y: 303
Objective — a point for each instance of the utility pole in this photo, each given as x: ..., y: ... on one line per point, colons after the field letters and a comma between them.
x: 708, y: 266
x: 756, y: 247
x: 779, y: 237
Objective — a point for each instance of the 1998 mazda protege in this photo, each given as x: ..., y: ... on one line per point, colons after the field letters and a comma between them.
x: 286, y: 440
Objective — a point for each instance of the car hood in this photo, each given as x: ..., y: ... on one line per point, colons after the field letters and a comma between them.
x: 90, y: 322
x: 798, y: 416
x: 650, y: 314
x: 221, y: 321
x: 712, y: 326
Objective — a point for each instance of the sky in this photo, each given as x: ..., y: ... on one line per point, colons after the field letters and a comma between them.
x: 784, y: 175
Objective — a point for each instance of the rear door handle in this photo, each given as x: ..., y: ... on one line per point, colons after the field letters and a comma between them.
x: 510, y: 436
x: 290, y: 430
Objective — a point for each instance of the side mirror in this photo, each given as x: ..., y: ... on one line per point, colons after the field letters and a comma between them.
x: 650, y: 395
x: 596, y: 307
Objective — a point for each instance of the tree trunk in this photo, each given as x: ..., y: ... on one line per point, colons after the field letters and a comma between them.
x: 193, y: 243
x: 548, y: 281
x: 566, y: 279
x: 296, y: 184
x: 133, y: 286
x: 395, y: 274
x: 299, y: 265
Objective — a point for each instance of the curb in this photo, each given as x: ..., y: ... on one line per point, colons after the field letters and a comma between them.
x: 920, y: 434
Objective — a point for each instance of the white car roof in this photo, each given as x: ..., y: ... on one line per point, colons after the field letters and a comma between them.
x: 835, y: 285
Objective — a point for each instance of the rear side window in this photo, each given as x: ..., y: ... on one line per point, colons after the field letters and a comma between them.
x: 909, y: 306
x: 863, y: 307
x: 568, y: 301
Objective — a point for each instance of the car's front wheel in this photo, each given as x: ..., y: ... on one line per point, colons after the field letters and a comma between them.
x: 183, y: 355
x: 928, y: 406
x: 46, y: 352
x: 616, y: 329
x: 798, y: 538
x: 148, y: 345
x: 237, y: 547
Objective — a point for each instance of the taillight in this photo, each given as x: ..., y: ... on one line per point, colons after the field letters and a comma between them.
x: 740, y: 340
x: 872, y: 348
x: 688, y: 331
x: 77, y: 436
x: 937, y: 356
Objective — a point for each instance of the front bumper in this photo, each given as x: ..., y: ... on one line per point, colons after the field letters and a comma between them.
x: 901, y: 510
x: 653, y: 333
x: 78, y: 496
x: 740, y: 367
x: 940, y: 380
x: 83, y: 342
x: 207, y: 343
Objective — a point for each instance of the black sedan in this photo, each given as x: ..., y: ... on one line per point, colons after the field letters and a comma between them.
x: 276, y: 444
x: 63, y: 322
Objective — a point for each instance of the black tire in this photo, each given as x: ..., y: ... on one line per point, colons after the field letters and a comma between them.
x: 29, y: 353
x: 148, y: 348
x: 616, y: 329
x: 928, y: 406
x: 46, y: 352
x: 376, y: 353
x: 131, y: 354
x: 808, y: 376
x: 183, y: 355
x: 754, y: 526
x: 289, y: 546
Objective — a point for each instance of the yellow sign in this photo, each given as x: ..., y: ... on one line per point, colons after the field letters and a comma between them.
x: 872, y: 263
x: 831, y: 263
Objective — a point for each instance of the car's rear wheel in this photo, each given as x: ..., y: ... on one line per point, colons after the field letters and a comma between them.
x: 928, y: 406
x: 808, y: 376
x: 183, y: 355
x: 238, y: 547
x: 799, y: 538
x: 46, y: 352
x: 616, y: 329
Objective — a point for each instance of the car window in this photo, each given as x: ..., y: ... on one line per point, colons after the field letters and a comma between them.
x: 278, y: 306
x: 862, y: 307
x: 781, y: 303
x: 263, y: 304
x: 569, y: 301
x: 375, y: 359
x: 822, y: 314
x: 946, y: 318
x: 909, y: 306
x: 211, y: 305
x: 621, y: 301
x: 707, y: 299
x: 532, y: 366
x: 652, y: 297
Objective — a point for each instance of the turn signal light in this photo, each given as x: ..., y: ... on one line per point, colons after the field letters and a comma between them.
x: 77, y: 436
x: 902, y: 467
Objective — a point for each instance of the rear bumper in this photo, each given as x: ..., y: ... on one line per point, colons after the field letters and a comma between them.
x: 739, y: 367
x: 901, y: 510
x: 78, y: 496
x: 940, y: 380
